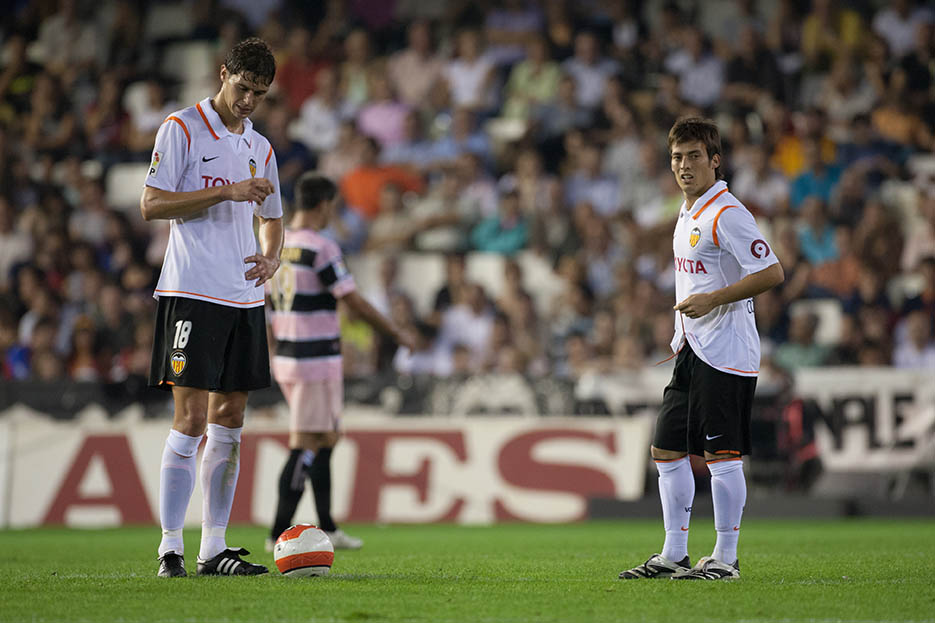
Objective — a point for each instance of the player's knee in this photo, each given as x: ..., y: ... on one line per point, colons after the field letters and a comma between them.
x: 191, y: 413
x: 228, y: 412
x: 659, y: 454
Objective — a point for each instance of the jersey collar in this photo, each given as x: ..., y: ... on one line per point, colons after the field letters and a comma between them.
x: 717, y: 189
x: 217, y: 128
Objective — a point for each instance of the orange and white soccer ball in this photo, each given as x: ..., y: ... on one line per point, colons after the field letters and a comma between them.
x: 302, y: 551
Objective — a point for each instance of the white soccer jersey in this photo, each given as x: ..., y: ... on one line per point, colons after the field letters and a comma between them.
x: 717, y: 243
x: 205, y: 256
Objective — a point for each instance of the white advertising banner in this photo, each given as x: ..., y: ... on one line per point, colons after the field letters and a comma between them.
x: 93, y: 471
x: 872, y: 419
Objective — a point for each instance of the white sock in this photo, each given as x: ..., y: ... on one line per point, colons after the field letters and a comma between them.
x: 729, y: 494
x: 677, y: 491
x: 176, y: 483
x: 220, y: 467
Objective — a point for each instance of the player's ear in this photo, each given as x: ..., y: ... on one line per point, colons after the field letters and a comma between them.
x: 224, y: 73
x: 715, y: 161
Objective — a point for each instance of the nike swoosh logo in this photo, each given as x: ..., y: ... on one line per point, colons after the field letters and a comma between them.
x: 203, y: 159
x: 684, y: 529
x: 737, y: 528
x: 709, y: 438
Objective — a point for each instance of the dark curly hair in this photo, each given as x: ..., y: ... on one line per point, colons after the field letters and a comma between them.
x: 690, y: 129
x: 312, y: 189
x: 253, y: 59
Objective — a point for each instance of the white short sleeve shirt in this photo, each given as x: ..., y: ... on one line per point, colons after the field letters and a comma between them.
x: 717, y: 243
x: 205, y: 256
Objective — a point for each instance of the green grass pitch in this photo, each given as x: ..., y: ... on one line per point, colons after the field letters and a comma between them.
x: 817, y: 571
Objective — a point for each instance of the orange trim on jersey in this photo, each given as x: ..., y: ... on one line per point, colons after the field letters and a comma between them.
x: 714, y: 226
x: 727, y: 452
x: 269, y: 155
x: 709, y: 202
x: 184, y: 128
x: 744, y: 371
x: 208, y: 297
x: 207, y: 123
x: 723, y: 460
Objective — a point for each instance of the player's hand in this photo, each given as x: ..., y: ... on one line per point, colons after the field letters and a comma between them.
x: 263, y: 268
x: 697, y: 305
x: 255, y: 189
x: 407, y: 339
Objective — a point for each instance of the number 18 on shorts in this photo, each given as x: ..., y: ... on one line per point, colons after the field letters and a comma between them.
x: 209, y: 346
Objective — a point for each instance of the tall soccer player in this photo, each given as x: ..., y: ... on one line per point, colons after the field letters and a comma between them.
x: 721, y: 262
x: 211, y: 175
x: 307, y: 361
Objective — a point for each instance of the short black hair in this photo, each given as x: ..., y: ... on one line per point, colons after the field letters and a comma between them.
x: 690, y: 129
x: 312, y: 190
x: 253, y: 59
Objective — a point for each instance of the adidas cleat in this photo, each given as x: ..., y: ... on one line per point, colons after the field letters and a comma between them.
x: 340, y: 540
x: 171, y: 565
x: 658, y: 566
x: 710, y: 569
x: 229, y: 562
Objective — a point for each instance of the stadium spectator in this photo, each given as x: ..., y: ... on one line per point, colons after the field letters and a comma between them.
x: 898, y: 22
x: 355, y: 70
x: 844, y: 96
x: 555, y: 117
x: 413, y: 149
x: 533, y: 82
x: 382, y: 116
x: 915, y: 347
x: 463, y: 137
x: 818, y: 179
x: 816, y: 235
x: 699, y: 70
x: 827, y: 31
x: 587, y: 182
x: 147, y: 112
x: 589, y: 69
x: 445, y: 215
x: 753, y: 73
x: 292, y: 156
x: 767, y: 188
x: 319, y: 122
x: 467, y: 322
x: 801, y: 350
x: 15, y: 248
x: 469, y: 77
x: 361, y: 186
x: 508, y: 27
x: 415, y: 70
x: 507, y: 232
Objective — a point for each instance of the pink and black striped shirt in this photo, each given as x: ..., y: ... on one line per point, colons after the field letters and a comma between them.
x: 304, y: 316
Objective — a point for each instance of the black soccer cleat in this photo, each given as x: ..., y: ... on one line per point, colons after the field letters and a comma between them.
x: 171, y: 565
x: 657, y: 567
x: 709, y: 568
x: 229, y: 562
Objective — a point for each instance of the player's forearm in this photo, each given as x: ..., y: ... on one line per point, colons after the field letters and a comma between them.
x: 750, y: 286
x: 164, y: 204
x: 373, y: 317
x: 271, y: 237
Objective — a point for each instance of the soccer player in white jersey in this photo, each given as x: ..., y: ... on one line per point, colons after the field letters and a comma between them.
x: 307, y: 360
x: 211, y: 175
x: 721, y: 262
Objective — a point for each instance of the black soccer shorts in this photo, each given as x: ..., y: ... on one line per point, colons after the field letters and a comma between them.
x: 705, y: 410
x: 209, y: 346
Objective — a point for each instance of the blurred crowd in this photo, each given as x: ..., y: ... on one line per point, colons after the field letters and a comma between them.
x: 524, y: 128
